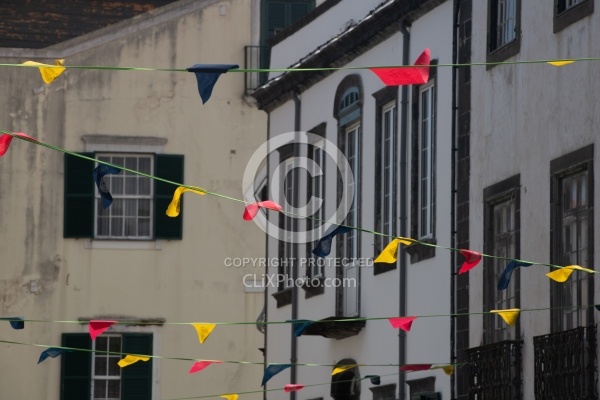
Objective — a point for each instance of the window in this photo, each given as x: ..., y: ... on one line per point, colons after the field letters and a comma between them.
x: 96, y: 376
x: 346, y: 385
x: 351, y: 150
x: 385, y: 171
x: 501, y: 236
x: 287, y: 253
x: 567, y: 12
x: 504, y: 27
x: 139, y: 205
x: 317, y: 210
x: 572, y: 236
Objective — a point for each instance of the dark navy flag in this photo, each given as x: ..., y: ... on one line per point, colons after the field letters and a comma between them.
x: 375, y: 379
x: 51, y: 352
x: 15, y: 322
x: 324, y: 245
x: 299, y: 325
x: 506, y: 274
x: 273, y: 370
x: 207, y: 75
x: 99, y: 173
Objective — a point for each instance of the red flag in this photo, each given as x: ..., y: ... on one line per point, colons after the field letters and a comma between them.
x: 472, y: 258
x: 6, y: 139
x: 252, y: 209
x: 200, y: 365
x: 403, y: 323
x: 416, y: 75
x: 97, y: 327
x: 415, y: 367
x: 292, y: 387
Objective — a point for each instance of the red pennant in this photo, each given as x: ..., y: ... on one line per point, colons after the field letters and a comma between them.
x: 403, y: 323
x: 200, y: 365
x: 292, y: 387
x: 6, y: 139
x: 416, y: 75
x: 472, y: 258
x: 252, y: 209
x: 97, y: 327
x: 415, y: 367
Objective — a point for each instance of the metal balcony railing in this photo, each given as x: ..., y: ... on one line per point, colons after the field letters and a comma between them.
x: 255, y: 57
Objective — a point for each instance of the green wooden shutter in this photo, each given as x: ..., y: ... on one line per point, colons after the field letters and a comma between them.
x: 299, y: 9
x: 168, y: 167
x: 79, y: 197
x: 76, y: 367
x: 136, y: 379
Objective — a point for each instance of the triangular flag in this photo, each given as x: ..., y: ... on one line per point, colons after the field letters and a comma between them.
x: 509, y: 315
x: 416, y: 75
x: 506, y: 274
x: 204, y: 330
x: 292, y: 387
x: 51, y: 352
x: 251, y: 210
x: 200, y: 365
x: 560, y: 63
x: 230, y: 396
x: 403, y: 323
x: 207, y: 75
x: 375, y: 379
x: 562, y: 274
x: 472, y: 258
x: 300, y: 325
x: 129, y: 359
x: 99, y: 172
x: 323, y: 247
x: 273, y: 370
x: 97, y: 327
x: 175, y: 206
x: 5, y: 140
x: 49, y: 73
x: 15, y: 322
x: 389, y: 255
x: 342, y: 368
x: 448, y: 369
x: 415, y: 367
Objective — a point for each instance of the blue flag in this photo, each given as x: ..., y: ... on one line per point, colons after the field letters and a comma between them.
x: 273, y: 370
x: 207, y: 75
x: 324, y: 245
x: 99, y: 173
x: 300, y: 325
x: 15, y: 322
x: 506, y: 274
x: 51, y: 352
x: 375, y: 379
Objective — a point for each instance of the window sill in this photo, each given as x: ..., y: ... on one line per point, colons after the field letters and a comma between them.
x: 420, y: 252
x: 315, y: 288
x: 335, y: 328
x: 283, y: 297
x: 503, y: 53
x: 123, y: 244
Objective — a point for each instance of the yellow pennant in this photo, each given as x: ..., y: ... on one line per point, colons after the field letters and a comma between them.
x: 509, y: 316
x: 560, y: 63
x: 448, y: 369
x: 129, y: 359
x: 339, y: 370
x: 175, y: 206
x: 562, y: 274
x: 390, y: 253
x: 204, y: 330
x: 48, y: 72
x: 229, y: 396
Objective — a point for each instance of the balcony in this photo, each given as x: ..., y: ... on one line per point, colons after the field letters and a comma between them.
x: 335, y: 328
x: 496, y: 371
x: 566, y: 366
x: 255, y: 57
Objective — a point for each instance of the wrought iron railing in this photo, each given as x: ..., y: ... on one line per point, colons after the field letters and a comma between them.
x: 566, y: 366
x: 255, y: 57
x: 496, y: 371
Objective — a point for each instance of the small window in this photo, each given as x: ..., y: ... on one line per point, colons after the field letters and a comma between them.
x: 504, y: 29
x: 567, y: 12
x: 106, y: 373
x: 427, y: 162
x: 346, y: 385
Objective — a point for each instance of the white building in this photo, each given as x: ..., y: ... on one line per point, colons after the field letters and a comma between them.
x: 397, y: 142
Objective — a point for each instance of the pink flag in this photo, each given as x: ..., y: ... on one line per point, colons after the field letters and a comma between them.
x: 6, y: 139
x: 415, y: 367
x: 252, y: 209
x: 200, y: 365
x: 472, y: 258
x: 97, y: 327
x: 292, y: 387
x: 416, y: 75
x: 403, y: 323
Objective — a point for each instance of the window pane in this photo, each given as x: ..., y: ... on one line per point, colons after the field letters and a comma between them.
x: 144, y: 186
x: 116, y: 227
x: 100, y: 365
x: 145, y: 166
x: 99, y: 389
x: 113, y: 366
x: 115, y: 344
x: 144, y: 208
x: 114, y: 389
x: 144, y: 227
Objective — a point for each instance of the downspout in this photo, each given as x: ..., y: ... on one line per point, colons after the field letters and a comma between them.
x: 453, y: 190
x: 294, y: 345
x: 403, y: 208
x: 266, y: 269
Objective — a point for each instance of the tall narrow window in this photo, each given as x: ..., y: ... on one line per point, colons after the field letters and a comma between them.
x: 287, y: 256
x: 106, y: 373
x: 351, y: 152
x: 504, y: 26
x: 427, y: 159
x: 572, y: 238
x: 501, y: 234
x: 317, y: 187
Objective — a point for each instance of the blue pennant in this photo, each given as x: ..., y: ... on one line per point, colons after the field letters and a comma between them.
x: 99, y: 172
x: 51, y: 352
x: 300, y: 325
x: 273, y: 370
x: 505, y: 277
x: 15, y: 322
x: 323, y: 247
x: 207, y: 76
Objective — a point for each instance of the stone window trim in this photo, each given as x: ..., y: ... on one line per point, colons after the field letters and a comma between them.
x: 502, y: 53
x: 572, y: 15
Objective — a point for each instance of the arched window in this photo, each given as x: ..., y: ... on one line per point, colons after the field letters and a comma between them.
x: 346, y: 385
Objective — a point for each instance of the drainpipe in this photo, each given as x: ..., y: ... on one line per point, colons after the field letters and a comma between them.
x: 265, y: 347
x: 296, y: 198
x: 453, y: 198
x: 403, y: 208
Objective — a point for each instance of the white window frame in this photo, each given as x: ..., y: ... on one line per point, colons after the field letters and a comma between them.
x: 287, y: 257
x: 427, y: 130
x: 318, y: 191
x: 109, y: 359
x: 506, y: 22
x: 351, y: 239
x: 388, y: 148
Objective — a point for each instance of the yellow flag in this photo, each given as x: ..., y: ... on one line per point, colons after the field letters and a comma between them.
x: 509, y: 315
x: 229, y: 396
x: 448, y: 369
x: 562, y: 274
x: 174, y: 207
x: 560, y: 63
x: 129, y: 359
x: 390, y: 253
x: 339, y: 370
x: 204, y: 330
x: 48, y: 72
